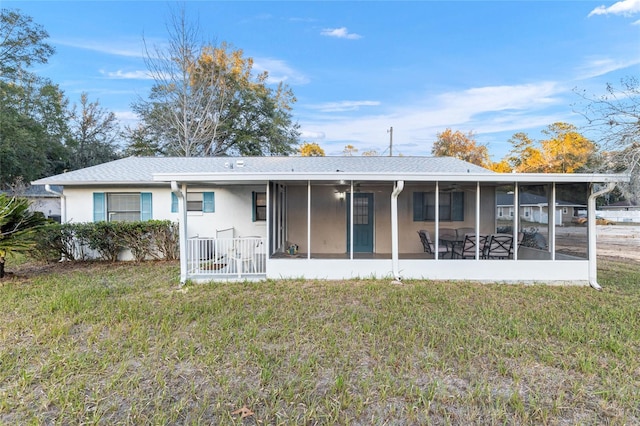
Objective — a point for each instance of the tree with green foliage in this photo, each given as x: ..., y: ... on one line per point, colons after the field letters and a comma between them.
x: 18, y: 227
x: 32, y: 131
x: 33, y: 110
x: 524, y: 156
x: 206, y: 100
x: 94, y: 132
x: 21, y: 44
x: 140, y: 141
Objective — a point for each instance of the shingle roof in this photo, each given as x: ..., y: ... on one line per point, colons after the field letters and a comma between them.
x: 38, y: 191
x: 142, y: 169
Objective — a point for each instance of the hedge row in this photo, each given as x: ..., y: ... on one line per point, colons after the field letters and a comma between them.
x: 153, y: 239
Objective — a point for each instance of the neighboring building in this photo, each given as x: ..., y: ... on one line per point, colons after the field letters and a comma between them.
x: 41, y: 200
x: 622, y: 211
x: 291, y: 217
x: 535, y: 208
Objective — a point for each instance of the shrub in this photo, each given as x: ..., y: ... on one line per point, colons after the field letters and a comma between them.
x: 166, y: 238
x: 137, y: 237
x: 106, y: 239
x: 72, y: 241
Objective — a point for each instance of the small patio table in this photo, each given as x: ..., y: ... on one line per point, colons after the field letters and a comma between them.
x: 450, y: 242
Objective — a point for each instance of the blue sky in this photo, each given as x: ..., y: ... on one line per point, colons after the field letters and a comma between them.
x: 359, y: 68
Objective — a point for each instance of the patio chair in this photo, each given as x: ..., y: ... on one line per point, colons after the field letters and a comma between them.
x: 468, y: 248
x: 500, y: 246
x: 427, y: 245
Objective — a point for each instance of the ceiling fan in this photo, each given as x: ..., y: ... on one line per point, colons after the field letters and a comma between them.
x: 456, y: 187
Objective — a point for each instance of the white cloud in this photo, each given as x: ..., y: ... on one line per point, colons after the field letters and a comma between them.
x: 342, y: 106
x: 127, y: 75
x: 110, y: 47
x: 127, y: 117
x: 310, y: 135
x: 601, y: 66
x: 484, y: 110
x: 624, y: 8
x: 500, y: 98
x: 341, y: 32
x: 279, y: 71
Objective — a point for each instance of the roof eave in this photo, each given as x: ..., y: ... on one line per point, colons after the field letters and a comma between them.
x: 378, y: 176
x: 46, y: 181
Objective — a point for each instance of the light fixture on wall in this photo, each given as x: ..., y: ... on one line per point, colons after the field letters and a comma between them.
x: 341, y: 190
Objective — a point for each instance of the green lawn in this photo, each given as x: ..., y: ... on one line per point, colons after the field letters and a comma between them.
x: 105, y: 344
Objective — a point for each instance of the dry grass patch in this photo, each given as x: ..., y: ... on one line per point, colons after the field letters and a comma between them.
x: 123, y: 344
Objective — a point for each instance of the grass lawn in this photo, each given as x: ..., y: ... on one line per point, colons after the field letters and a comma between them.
x: 123, y: 344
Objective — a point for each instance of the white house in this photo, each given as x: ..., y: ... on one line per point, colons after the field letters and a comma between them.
x: 535, y: 208
x: 41, y: 200
x: 289, y: 217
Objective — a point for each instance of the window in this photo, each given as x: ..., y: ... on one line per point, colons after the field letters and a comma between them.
x: 122, y: 206
x: 451, y: 206
x: 259, y: 206
x: 361, y: 211
x: 196, y: 202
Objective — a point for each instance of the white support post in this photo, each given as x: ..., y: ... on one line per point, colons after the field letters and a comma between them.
x: 436, y: 231
x: 552, y: 221
x: 516, y: 218
x: 182, y: 227
x: 308, y: 219
x: 395, y: 262
x: 268, y: 241
x: 477, y: 225
x: 351, y: 203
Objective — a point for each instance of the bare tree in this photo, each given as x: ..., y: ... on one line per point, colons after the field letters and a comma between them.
x: 186, y: 107
x: 206, y: 102
x: 615, y: 118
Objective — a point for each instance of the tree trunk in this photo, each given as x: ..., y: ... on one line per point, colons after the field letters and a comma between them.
x: 1, y: 267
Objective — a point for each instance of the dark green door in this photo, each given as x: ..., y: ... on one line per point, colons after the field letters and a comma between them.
x: 362, y: 223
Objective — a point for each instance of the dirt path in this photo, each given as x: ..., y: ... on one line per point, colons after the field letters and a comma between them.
x: 619, y: 241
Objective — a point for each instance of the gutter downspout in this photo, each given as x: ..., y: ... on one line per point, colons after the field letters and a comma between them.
x: 63, y: 209
x: 395, y: 265
x: 591, y: 230
x: 182, y: 230
x: 63, y: 202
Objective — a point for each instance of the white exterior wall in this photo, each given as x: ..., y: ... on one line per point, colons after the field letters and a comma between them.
x: 233, y: 208
x: 49, y: 206
x: 80, y: 202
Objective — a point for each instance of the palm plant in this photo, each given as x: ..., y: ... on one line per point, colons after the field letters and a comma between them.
x: 18, y: 226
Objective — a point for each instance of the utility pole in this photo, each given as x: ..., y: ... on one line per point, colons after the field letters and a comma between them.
x: 390, y: 131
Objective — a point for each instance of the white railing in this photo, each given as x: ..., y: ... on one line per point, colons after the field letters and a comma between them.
x: 231, y: 257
